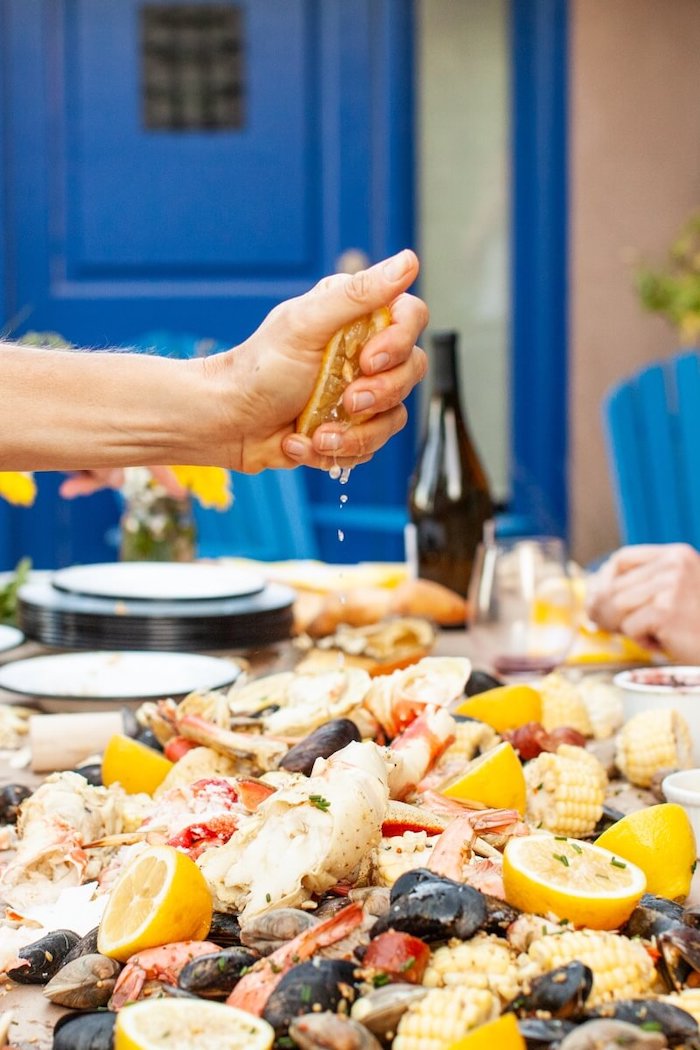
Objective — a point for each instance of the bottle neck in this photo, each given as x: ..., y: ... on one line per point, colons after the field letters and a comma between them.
x: 444, y: 354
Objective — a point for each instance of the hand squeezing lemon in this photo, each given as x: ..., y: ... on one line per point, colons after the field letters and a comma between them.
x: 340, y: 365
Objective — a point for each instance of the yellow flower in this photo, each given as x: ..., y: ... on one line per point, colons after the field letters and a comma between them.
x: 210, y: 485
x: 18, y: 487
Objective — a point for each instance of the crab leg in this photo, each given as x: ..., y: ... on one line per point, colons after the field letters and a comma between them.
x: 265, y: 750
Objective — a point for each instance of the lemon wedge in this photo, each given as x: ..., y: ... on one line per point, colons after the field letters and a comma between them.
x: 181, y: 1024
x: 161, y: 896
x: 507, y: 707
x: 495, y: 778
x: 133, y: 765
x: 340, y: 365
x: 643, y: 837
x: 502, y: 1033
x: 571, y: 879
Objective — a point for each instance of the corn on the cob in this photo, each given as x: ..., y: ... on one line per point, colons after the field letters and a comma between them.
x: 651, y: 741
x: 471, y: 738
x: 485, y: 961
x: 622, y: 968
x: 603, y: 703
x: 688, y: 1000
x: 562, y: 705
x: 393, y: 856
x: 566, y: 791
x: 443, y: 1017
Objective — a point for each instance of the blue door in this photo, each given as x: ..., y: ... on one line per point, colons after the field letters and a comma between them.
x: 185, y: 166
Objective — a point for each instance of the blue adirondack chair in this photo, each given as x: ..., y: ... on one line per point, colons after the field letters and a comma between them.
x: 652, y: 423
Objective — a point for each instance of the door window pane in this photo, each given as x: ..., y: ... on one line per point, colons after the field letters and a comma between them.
x: 192, y: 62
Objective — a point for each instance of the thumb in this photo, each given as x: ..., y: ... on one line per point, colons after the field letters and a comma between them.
x: 343, y: 297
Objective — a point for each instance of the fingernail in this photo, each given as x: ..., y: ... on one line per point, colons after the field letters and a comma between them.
x: 294, y: 448
x: 363, y: 400
x: 330, y: 442
x: 379, y: 361
x: 396, y: 267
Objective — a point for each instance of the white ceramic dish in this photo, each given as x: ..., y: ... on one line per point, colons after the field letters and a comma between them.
x: 10, y: 637
x: 651, y: 688
x: 159, y: 581
x: 73, y: 681
x: 683, y: 787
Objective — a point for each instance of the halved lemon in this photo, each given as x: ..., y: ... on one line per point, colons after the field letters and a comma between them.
x: 573, y: 880
x: 495, y: 778
x: 181, y: 1024
x: 133, y: 765
x: 340, y: 365
x: 160, y: 897
x: 502, y: 1033
x: 508, y: 707
x: 643, y: 837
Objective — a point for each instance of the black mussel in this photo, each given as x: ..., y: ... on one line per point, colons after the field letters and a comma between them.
x: 11, y: 798
x: 213, y: 976
x: 608, y: 1032
x: 609, y: 816
x: 648, y: 922
x: 324, y: 741
x: 85, y: 983
x: 45, y: 957
x: 672, y: 909
x: 435, y: 911
x: 540, y: 1034
x: 653, y: 1015
x: 561, y: 992
x: 85, y: 1031
x: 87, y: 945
x: 92, y: 771
x: 410, y: 879
x: 481, y: 682
x: 499, y: 915
x: 680, y: 954
x: 148, y: 737
x: 310, y: 987
x: 225, y: 929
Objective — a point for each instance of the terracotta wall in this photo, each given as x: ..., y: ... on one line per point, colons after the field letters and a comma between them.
x: 635, y: 175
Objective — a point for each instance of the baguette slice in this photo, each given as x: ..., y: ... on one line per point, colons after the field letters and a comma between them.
x: 340, y: 364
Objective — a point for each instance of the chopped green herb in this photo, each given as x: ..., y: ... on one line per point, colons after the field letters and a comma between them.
x: 561, y: 838
x: 651, y: 1026
x: 305, y: 993
x: 268, y: 898
x: 380, y: 979
x: 407, y: 965
x: 221, y: 965
x: 562, y: 858
x: 244, y: 970
x: 274, y: 967
x: 286, y: 1042
x: 319, y: 802
x: 618, y: 863
x: 574, y: 845
x: 540, y: 786
x: 693, y: 866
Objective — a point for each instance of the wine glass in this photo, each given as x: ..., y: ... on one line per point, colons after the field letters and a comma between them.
x: 523, y: 609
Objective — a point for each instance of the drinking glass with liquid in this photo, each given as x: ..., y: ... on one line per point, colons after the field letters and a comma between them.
x: 523, y: 609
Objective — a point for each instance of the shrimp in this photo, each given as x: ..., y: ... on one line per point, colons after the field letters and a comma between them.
x: 156, y: 964
x: 412, y: 754
x: 453, y: 850
x: 254, y: 989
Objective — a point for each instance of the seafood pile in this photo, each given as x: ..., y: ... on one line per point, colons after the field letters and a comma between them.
x: 362, y: 841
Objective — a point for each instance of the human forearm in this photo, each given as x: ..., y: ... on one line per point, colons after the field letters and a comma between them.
x: 64, y: 410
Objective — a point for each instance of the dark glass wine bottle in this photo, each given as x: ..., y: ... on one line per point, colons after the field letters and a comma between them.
x: 449, y: 499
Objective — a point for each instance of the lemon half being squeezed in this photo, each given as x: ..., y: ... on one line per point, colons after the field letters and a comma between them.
x: 340, y: 365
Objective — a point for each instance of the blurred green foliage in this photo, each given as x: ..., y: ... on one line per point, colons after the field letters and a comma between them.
x: 674, y: 291
x: 8, y: 593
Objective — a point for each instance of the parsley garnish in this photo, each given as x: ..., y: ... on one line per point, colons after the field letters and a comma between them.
x: 380, y: 979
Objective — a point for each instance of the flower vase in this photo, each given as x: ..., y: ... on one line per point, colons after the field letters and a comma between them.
x: 156, y: 526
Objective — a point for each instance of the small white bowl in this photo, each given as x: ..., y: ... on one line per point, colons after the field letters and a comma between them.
x: 683, y: 787
x: 652, y: 688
